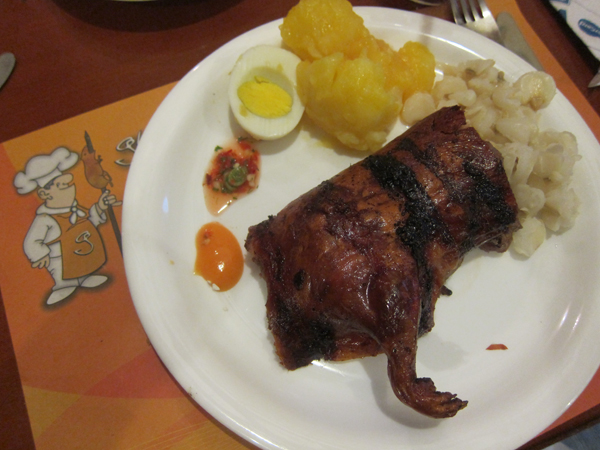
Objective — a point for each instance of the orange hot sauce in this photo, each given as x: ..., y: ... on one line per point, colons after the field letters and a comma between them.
x: 219, y: 258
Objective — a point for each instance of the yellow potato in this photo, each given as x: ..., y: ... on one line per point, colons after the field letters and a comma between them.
x: 319, y: 29
x: 347, y: 98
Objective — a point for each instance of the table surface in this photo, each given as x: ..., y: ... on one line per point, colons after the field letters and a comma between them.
x: 74, y: 56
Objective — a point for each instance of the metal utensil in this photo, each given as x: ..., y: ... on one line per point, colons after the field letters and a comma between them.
x: 513, y: 39
x: 475, y: 15
x: 595, y: 81
x: 7, y: 64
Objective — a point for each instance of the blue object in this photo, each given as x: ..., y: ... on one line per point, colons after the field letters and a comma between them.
x: 589, y: 27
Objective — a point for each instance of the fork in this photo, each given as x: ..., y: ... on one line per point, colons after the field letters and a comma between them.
x: 475, y: 15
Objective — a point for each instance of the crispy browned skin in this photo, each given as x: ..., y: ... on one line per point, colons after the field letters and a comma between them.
x: 354, y: 267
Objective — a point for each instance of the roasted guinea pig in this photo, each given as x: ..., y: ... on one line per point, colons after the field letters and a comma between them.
x: 354, y: 266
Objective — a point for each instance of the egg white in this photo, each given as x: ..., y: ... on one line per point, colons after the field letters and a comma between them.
x: 278, y: 66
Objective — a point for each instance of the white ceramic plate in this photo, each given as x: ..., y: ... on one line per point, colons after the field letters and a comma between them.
x: 218, y: 347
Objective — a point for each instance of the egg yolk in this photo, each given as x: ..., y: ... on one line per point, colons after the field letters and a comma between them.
x: 219, y: 257
x: 264, y: 98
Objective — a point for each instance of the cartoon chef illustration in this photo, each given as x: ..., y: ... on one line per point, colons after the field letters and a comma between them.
x: 63, y: 237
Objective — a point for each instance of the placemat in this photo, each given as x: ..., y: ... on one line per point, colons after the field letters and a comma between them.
x: 90, y: 376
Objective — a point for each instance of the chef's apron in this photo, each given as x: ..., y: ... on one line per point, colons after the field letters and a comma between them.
x: 82, y: 247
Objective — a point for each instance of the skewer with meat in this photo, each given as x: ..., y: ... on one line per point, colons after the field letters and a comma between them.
x: 354, y: 267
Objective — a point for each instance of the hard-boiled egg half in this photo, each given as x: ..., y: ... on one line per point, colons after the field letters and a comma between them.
x: 262, y: 92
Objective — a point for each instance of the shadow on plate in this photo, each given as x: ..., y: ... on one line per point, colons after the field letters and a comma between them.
x: 144, y: 16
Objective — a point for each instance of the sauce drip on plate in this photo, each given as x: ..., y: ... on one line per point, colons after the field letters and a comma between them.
x: 219, y: 257
x: 232, y: 173
x: 497, y: 347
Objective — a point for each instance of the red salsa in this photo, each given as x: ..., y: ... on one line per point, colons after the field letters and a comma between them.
x: 232, y: 173
x: 497, y: 347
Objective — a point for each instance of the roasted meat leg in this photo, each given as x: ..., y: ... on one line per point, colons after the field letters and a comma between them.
x: 354, y: 267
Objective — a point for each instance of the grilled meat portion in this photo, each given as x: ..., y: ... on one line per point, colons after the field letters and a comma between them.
x: 354, y: 267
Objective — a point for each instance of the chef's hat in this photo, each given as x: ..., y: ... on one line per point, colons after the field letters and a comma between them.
x: 41, y: 169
